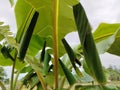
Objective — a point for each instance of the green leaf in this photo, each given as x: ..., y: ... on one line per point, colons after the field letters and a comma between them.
x: 37, y: 3
x: 61, y: 89
x: 31, y: 79
x: 22, y: 17
x: 95, y: 87
x: 27, y: 77
x: 11, y: 2
x: 86, y: 68
x: 27, y: 37
x: 34, y: 63
x: 46, y: 63
x: 86, y: 78
x: 6, y: 53
x: 8, y: 62
x: 43, y: 53
x: 106, y: 36
x: 2, y: 86
x: 66, y: 60
x: 19, y: 64
x: 39, y: 86
x: 35, y: 45
x: 7, y: 36
x: 68, y: 74
x: 4, y: 61
x: 1, y: 23
x: 69, y: 52
x: 44, y: 26
x: 72, y: 57
x: 26, y: 69
x: 115, y: 47
x: 105, y: 30
x: 4, y: 31
x: 34, y: 81
x: 49, y: 79
x: 89, y: 49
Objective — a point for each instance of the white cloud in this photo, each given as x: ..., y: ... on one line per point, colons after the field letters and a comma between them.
x: 109, y: 59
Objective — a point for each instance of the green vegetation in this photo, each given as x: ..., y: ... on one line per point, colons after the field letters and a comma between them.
x: 114, y: 73
x: 41, y: 51
x: 3, y: 78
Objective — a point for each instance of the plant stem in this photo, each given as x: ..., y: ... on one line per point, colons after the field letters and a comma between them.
x: 12, y: 74
x: 41, y: 80
x: 2, y: 86
x: 55, y: 35
x: 21, y: 87
x: 16, y: 78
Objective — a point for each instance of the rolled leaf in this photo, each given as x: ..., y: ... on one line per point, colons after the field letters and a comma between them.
x: 46, y: 63
x: 27, y: 37
x: 43, y: 52
x: 72, y: 57
x: 89, y: 49
x: 68, y: 74
x: 70, y: 52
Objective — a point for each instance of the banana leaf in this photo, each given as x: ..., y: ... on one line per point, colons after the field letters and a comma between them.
x: 88, y: 45
x: 24, y: 10
x: 107, y: 38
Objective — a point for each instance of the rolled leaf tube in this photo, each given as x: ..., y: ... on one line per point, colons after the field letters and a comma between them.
x: 68, y: 74
x: 46, y: 63
x: 70, y: 52
x: 43, y: 53
x: 89, y: 49
x: 72, y: 56
x: 27, y: 37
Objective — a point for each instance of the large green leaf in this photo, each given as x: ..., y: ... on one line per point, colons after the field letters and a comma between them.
x: 104, y: 31
x: 107, y: 35
x: 89, y: 49
x: 44, y: 27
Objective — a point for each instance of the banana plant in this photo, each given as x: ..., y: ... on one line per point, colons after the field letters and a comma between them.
x: 42, y: 25
x: 51, y: 25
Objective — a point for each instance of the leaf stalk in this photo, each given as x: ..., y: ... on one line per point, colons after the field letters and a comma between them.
x: 55, y: 39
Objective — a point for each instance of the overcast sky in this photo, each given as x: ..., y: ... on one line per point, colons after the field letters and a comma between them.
x: 97, y: 11
x: 102, y: 11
